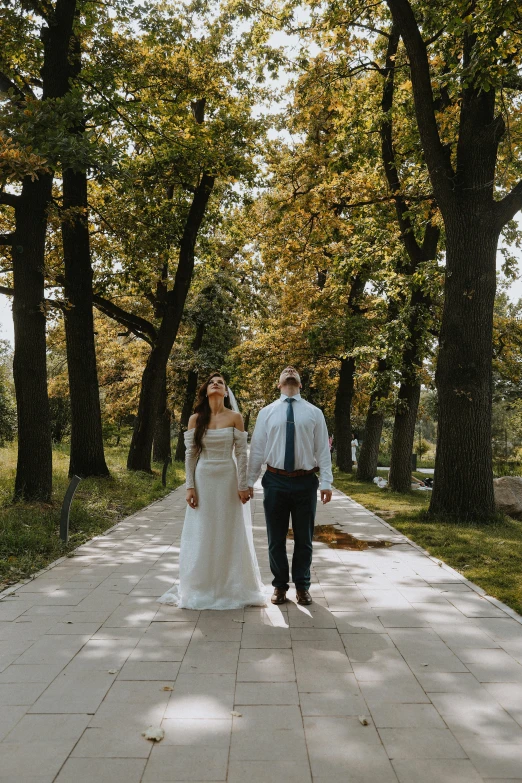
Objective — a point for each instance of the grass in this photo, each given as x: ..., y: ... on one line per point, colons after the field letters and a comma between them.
x: 29, y: 532
x: 487, y: 553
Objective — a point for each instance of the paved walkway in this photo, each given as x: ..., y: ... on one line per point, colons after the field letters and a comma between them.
x: 88, y: 660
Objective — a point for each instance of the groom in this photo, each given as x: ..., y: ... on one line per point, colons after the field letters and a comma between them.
x: 291, y: 437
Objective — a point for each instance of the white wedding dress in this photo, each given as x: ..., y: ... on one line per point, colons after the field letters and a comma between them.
x: 218, y: 566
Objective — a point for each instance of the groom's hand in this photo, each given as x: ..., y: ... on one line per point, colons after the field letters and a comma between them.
x: 326, y: 496
x: 251, y: 491
x: 244, y: 495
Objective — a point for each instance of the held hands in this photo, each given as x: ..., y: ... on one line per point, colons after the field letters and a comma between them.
x: 191, y: 498
x: 326, y: 496
x: 244, y: 495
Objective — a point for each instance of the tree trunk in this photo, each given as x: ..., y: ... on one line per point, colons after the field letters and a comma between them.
x: 190, y: 395
x: 473, y: 219
x: 463, y: 485
x: 34, y: 466
x: 409, y: 395
x: 151, y: 383
x: 403, y: 434
x: 343, y: 406
x: 369, y: 453
x: 188, y: 406
x: 87, y: 456
x: 161, y: 446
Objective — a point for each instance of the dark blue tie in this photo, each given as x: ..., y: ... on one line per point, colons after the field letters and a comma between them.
x: 290, y: 435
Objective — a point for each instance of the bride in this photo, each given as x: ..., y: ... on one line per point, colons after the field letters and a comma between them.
x: 217, y: 563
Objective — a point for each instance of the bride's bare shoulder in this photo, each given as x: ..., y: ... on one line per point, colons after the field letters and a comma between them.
x: 238, y: 422
x: 192, y: 421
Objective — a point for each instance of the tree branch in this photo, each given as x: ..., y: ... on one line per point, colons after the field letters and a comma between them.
x: 9, y: 199
x: 436, y: 158
x: 7, y: 85
x: 507, y: 208
x: 43, y: 9
x: 340, y: 206
x: 47, y: 302
x: 372, y: 29
x: 431, y: 238
x: 137, y: 325
x: 512, y: 82
x: 177, y: 296
x: 388, y: 152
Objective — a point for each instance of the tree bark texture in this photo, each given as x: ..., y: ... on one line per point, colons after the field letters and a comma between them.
x: 342, y: 415
x: 190, y: 395
x: 34, y: 466
x: 399, y: 478
x: 463, y: 482
x: 87, y: 455
x: 408, y: 397
x: 345, y: 388
x: 417, y: 252
x: 188, y: 406
x: 161, y: 446
x: 369, y: 452
x: 150, y: 392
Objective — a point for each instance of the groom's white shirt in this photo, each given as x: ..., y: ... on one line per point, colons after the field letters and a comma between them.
x: 311, y: 440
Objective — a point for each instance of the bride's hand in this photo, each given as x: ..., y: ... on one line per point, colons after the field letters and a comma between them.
x: 191, y: 498
x: 244, y: 495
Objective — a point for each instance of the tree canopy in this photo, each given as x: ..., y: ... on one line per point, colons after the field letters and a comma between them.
x: 242, y: 186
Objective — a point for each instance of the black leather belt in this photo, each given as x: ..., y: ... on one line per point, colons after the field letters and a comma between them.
x: 293, y: 473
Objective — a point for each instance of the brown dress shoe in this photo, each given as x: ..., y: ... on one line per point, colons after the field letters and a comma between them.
x: 279, y: 596
x: 303, y: 597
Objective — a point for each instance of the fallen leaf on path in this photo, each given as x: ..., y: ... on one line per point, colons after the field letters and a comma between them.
x: 363, y: 721
x: 153, y: 733
x: 236, y: 714
x: 167, y: 688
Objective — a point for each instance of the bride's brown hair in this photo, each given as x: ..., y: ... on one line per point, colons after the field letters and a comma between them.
x: 202, y: 409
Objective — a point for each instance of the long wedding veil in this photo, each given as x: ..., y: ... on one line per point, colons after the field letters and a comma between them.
x: 233, y: 401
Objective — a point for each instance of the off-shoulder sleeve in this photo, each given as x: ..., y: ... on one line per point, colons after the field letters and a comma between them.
x: 190, y: 458
x: 240, y: 444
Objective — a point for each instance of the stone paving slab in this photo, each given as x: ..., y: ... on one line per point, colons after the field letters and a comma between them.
x: 401, y: 671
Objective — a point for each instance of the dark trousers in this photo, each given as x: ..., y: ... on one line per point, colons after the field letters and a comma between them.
x: 286, y: 497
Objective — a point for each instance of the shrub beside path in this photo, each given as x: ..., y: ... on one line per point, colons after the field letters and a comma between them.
x: 401, y: 670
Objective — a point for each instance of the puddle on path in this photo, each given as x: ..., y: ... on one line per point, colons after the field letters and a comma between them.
x: 338, y: 539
